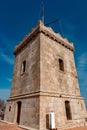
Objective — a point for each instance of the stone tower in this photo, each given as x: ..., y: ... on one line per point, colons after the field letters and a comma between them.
x: 45, y: 81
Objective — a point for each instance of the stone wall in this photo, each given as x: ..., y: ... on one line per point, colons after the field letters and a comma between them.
x: 58, y: 86
x: 29, y: 112
x: 43, y: 87
x: 29, y: 81
x: 52, y: 78
x: 57, y: 105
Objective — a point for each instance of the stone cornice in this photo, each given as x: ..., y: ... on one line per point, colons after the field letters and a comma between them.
x: 40, y: 28
x: 43, y: 93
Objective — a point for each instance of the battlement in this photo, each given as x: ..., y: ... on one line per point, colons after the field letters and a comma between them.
x: 41, y: 28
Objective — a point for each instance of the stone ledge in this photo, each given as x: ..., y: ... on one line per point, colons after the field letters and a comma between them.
x: 40, y: 28
x: 3, y: 121
x: 43, y: 93
x: 26, y: 128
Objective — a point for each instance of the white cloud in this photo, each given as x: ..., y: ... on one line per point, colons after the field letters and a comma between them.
x: 9, y: 79
x: 82, y: 66
x: 4, y: 94
x: 82, y: 74
x: 6, y: 58
x: 70, y: 31
x: 82, y: 62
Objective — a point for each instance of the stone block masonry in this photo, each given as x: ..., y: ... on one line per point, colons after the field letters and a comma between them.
x: 45, y: 80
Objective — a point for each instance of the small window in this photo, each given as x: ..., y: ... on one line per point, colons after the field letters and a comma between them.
x: 81, y: 106
x: 23, y: 66
x: 68, y: 110
x: 9, y: 108
x: 86, y: 119
x: 61, y: 65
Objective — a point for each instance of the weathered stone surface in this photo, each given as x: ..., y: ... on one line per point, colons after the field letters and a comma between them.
x: 43, y: 87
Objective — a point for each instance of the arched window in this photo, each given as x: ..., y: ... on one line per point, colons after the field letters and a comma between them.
x: 61, y: 65
x: 23, y: 67
x: 68, y: 110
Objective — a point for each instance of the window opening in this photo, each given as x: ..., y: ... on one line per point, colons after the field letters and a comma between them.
x: 9, y: 108
x: 19, y: 103
x: 61, y: 65
x: 23, y: 66
x: 68, y: 110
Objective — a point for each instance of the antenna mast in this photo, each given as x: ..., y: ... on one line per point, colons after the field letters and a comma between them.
x: 52, y: 22
x: 60, y: 25
x: 42, y: 14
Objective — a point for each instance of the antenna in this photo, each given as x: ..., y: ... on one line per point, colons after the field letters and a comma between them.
x: 52, y: 22
x: 42, y: 11
x: 61, y: 29
x: 60, y: 25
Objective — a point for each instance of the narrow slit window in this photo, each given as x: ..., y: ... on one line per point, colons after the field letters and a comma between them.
x: 23, y: 66
x: 81, y: 106
x: 9, y: 108
x: 61, y: 65
x: 68, y: 110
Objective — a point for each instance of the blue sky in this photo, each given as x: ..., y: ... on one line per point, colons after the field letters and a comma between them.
x: 18, y: 17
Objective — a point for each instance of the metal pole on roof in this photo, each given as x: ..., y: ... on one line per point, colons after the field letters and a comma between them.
x: 60, y: 25
x: 42, y: 12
